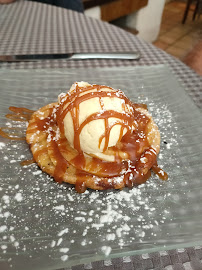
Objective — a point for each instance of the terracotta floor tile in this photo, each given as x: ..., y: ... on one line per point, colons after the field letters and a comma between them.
x: 177, y: 52
x: 174, y: 37
x: 169, y: 39
x: 179, y: 37
x: 177, y: 17
x: 174, y: 8
x: 161, y: 32
x: 186, y: 41
x: 182, y: 29
x: 169, y: 8
x: 165, y: 16
x: 183, y: 45
x: 166, y: 27
x: 170, y: 21
x: 160, y: 44
x: 197, y: 24
x: 176, y: 33
x: 196, y: 34
x: 179, y: 5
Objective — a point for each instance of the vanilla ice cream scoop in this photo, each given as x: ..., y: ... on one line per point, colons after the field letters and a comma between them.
x: 95, y: 118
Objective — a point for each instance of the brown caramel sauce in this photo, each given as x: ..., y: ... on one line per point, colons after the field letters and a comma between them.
x: 10, y: 136
x: 61, y: 163
x: 79, y: 161
x: 39, y: 152
x: 157, y: 170
x: 131, y: 143
x: 18, y: 114
x: 80, y: 184
x: 27, y: 162
x: 71, y: 104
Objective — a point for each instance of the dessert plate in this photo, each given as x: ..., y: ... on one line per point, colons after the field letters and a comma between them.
x: 49, y: 226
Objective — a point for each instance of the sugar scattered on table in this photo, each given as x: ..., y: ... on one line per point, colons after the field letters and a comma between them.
x: 63, y: 232
x: 106, y: 250
x: 3, y: 228
x: 59, y: 241
x: 64, y: 250
x: 64, y: 257
x: 37, y: 172
x: 18, y: 197
x: 2, y: 145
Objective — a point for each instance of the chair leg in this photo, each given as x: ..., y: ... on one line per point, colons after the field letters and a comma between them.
x: 195, y: 10
x: 186, y: 11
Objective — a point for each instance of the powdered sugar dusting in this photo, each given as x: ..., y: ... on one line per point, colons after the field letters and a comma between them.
x: 62, y: 222
x: 18, y: 197
x: 106, y: 250
x: 64, y: 257
x: 2, y: 145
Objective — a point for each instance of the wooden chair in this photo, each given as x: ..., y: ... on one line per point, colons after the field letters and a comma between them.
x: 189, y: 2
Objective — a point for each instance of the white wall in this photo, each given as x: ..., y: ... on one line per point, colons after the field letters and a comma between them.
x: 147, y: 20
x: 94, y: 12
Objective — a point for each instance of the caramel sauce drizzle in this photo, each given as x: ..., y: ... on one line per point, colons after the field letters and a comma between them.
x: 108, y: 130
x: 73, y: 100
x: 106, y: 123
x: 19, y: 114
x: 79, y: 161
x: 141, y: 145
x: 142, y: 169
x: 27, y: 162
x: 157, y: 170
x: 131, y: 143
x: 104, y: 115
x: 39, y: 152
x: 71, y: 104
x: 21, y: 110
x: 10, y: 136
x: 80, y: 184
x: 122, y: 126
x: 61, y: 163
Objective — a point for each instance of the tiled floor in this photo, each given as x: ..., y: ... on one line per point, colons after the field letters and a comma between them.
x: 176, y: 38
